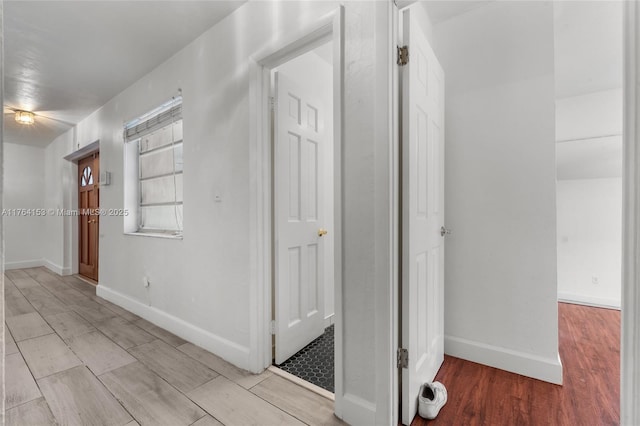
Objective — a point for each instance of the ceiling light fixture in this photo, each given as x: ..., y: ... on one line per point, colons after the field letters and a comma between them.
x: 25, y: 117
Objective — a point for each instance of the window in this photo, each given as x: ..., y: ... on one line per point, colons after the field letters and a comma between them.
x: 87, y: 177
x: 156, y: 140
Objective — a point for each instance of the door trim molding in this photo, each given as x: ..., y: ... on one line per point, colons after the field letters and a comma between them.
x: 630, y: 334
x: 83, y: 152
x: 329, y: 27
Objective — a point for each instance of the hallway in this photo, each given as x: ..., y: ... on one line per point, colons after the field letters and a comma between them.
x: 75, y: 358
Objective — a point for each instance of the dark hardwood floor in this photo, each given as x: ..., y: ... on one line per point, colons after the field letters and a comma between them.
x: 590, y: 395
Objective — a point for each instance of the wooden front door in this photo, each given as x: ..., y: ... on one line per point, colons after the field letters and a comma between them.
x: 88, y: 205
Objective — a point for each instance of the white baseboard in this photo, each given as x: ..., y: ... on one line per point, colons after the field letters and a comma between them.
x: 229, y: 351
x: 598, y: 302
x: 56, y: 268
x: 357, y: 411
x: 36, y: 263
x: 21, y: 264
x: 545, y: 369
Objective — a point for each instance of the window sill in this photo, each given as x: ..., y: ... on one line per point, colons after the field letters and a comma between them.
x: 154, y: 235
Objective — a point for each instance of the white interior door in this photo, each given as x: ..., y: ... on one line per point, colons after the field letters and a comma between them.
x: 299, y: 214
x: 422, y: 213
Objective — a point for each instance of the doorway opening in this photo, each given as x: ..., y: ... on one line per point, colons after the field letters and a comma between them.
x: 88, y: 215
x: 589, y: 152
x: 303, y: 217
x: 269, y: 319
x: 589, y: 184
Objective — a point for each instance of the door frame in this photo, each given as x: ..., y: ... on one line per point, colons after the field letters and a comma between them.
x: 630, y: 315
x: 328, y: 27
x: 71, y: 229
x: 286, y: 335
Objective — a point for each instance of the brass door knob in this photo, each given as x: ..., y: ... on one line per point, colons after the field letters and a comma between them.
x: 322, y: 232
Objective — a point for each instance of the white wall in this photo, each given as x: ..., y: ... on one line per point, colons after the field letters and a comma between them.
x: 590, y: 241
x: 500, y: 276
x: 311, y: 71
x: 200, y: 286
x: 24, y: 188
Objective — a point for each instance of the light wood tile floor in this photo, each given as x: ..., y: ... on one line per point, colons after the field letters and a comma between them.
x: 76, y: 359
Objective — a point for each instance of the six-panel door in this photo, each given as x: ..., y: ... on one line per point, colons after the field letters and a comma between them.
x: 422, y: 213
x: 298, y: 163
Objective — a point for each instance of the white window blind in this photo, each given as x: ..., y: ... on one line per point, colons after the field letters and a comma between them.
x: 158, y: 136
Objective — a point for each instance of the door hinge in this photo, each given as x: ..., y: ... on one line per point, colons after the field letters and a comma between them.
x: 403, y: 55
x: 403, y: 358
x: 272, y: 102
x: 272, y: 327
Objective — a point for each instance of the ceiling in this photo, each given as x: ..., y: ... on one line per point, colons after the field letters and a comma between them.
x: 588, y: 46
x: 440, y: 11
x: 65, y: 59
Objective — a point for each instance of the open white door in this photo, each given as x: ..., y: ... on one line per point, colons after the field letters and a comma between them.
x: 298, y: 164
x: 422, y: 214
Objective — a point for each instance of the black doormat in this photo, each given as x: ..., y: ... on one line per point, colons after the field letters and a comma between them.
x: 314, y: 363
